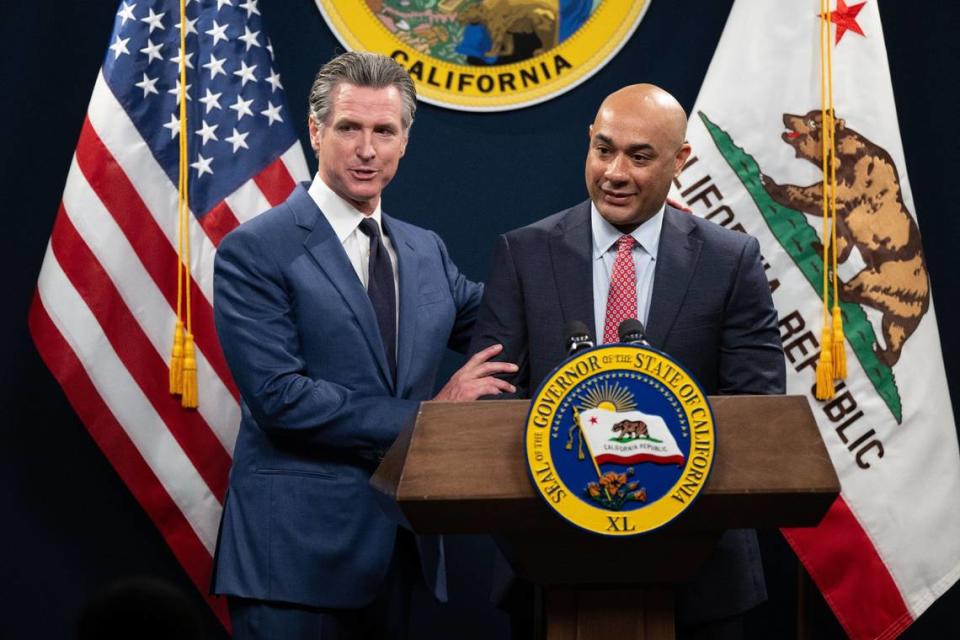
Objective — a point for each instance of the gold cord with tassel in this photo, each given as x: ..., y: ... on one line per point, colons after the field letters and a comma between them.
x: 183, y: 359
x: 837, y: 340
x: 825, y: 373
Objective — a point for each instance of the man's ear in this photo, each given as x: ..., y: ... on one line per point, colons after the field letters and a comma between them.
x: 681, y: 158
x: 314, y: 130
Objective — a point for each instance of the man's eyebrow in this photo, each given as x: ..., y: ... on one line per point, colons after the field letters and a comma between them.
x: 345, y: 119
x: 643, y: 146
x: 602, y: 138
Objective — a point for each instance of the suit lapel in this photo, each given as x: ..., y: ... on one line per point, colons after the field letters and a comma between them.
x: 325, y: 248
x: 408, y: 271
x: 570, y: 251
x: 676, y: 262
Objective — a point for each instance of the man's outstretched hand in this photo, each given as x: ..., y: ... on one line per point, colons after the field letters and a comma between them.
x: 477, y: 378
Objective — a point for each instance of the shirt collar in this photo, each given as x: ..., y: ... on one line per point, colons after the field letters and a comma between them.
x: 342, y: 216
x: 605, y: 234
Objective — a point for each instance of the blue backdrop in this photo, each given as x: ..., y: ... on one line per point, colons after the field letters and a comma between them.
x: 71, y: 527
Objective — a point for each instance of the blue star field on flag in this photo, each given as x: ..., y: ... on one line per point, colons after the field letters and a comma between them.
x: 237, y: 115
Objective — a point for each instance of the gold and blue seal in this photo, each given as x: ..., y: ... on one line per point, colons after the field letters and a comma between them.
x: 488, y: 55
x: 620, y: 440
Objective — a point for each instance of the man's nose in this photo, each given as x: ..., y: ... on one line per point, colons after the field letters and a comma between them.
x: 616, y: 170
x: 365, y: 148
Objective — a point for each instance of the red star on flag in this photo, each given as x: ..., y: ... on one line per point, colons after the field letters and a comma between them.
x: 593, y: 419
x: 846, y: 18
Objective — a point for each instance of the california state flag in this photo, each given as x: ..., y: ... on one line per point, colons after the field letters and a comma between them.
x: 629, y: 437
x: 890, y: 545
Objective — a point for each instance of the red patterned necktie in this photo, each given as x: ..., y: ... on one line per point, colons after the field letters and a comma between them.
x: 622, y: 299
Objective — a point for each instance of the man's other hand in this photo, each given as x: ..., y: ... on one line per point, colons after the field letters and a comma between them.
x: 477, y: 378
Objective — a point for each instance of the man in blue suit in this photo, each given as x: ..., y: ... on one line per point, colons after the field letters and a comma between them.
x: 699, y: 289
x: 333, y: 317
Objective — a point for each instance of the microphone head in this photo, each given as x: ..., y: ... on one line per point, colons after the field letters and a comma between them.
x: 631, y: 330
x: 575, y: 329
x: 576, y: 336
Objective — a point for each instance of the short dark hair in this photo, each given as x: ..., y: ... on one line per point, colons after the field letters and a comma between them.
x: 361, y: 69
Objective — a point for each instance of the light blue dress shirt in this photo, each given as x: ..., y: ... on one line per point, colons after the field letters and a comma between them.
x: 644, y: 254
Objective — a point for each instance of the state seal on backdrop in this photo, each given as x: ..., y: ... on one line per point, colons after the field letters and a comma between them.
x: 488, y: 55
x: 620, y: 440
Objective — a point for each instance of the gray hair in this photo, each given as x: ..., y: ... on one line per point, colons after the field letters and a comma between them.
x: 362, y: 69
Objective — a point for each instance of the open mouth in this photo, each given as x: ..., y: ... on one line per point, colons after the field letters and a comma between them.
x: 792, y: 135
x: 363, y: 174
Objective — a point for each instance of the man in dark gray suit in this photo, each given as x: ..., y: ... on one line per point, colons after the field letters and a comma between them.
x: 699, y: 289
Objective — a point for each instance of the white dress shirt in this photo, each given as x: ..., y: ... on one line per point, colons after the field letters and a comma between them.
x: 644, y: 253
x: 345, y: 220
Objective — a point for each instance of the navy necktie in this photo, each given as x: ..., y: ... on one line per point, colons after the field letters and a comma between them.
x: 380, y: 289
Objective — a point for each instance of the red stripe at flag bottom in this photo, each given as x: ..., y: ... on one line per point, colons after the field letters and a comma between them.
x: 846, y: 567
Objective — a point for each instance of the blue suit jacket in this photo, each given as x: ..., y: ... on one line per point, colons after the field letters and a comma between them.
x: 711, y: 310
x: 319, y: 408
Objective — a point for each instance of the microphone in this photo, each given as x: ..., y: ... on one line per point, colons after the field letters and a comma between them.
x: 631, y: 332
x: 577, y: 337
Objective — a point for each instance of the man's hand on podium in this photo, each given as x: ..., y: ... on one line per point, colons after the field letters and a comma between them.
x: 477, y: 378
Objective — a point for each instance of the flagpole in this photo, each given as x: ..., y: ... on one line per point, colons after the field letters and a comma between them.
x: 583, y: 438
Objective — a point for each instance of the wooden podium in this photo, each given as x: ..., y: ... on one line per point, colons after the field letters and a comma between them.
x: 460, y: 468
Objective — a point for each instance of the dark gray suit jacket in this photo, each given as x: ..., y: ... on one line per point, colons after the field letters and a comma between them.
x: 711, y: 310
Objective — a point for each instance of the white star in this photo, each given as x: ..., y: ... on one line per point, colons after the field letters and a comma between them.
x: 148, y: 85
x: 176, y: 91
x: 272, y: 113
x: 221, y: 3
x: 250, y: 6
x: 270, y: 47
x: 152, y: 51
x: 274, y: 80
x: 126, y: 13
x: 202, y: 165
x: 242, y: 107
x: 119, y: 46
x: 154, y: 20
x: 250, y: 38
x: 173, y: 125
x: 219, y: 32
x: 176, y: 59
x: 215, y: 66
x: 245, y: 73
x: 190, y: 26
x: 238, y: 140
x: 211, y: 101
x: 207, y: 132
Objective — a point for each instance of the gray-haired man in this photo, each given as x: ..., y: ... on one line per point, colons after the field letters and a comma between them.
x: 333, y: 318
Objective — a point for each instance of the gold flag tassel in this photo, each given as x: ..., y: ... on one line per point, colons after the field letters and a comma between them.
x: 837, y: 340
x: 825, y: 387
x: 183, y: 360
x: 189, y: 397
x: 839, y: 350
x: 176, y: 359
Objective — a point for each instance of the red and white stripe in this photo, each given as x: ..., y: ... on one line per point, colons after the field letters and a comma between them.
x: 840, y: 557
x: 103, y: 319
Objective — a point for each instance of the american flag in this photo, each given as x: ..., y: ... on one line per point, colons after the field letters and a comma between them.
x: 105, y: 307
